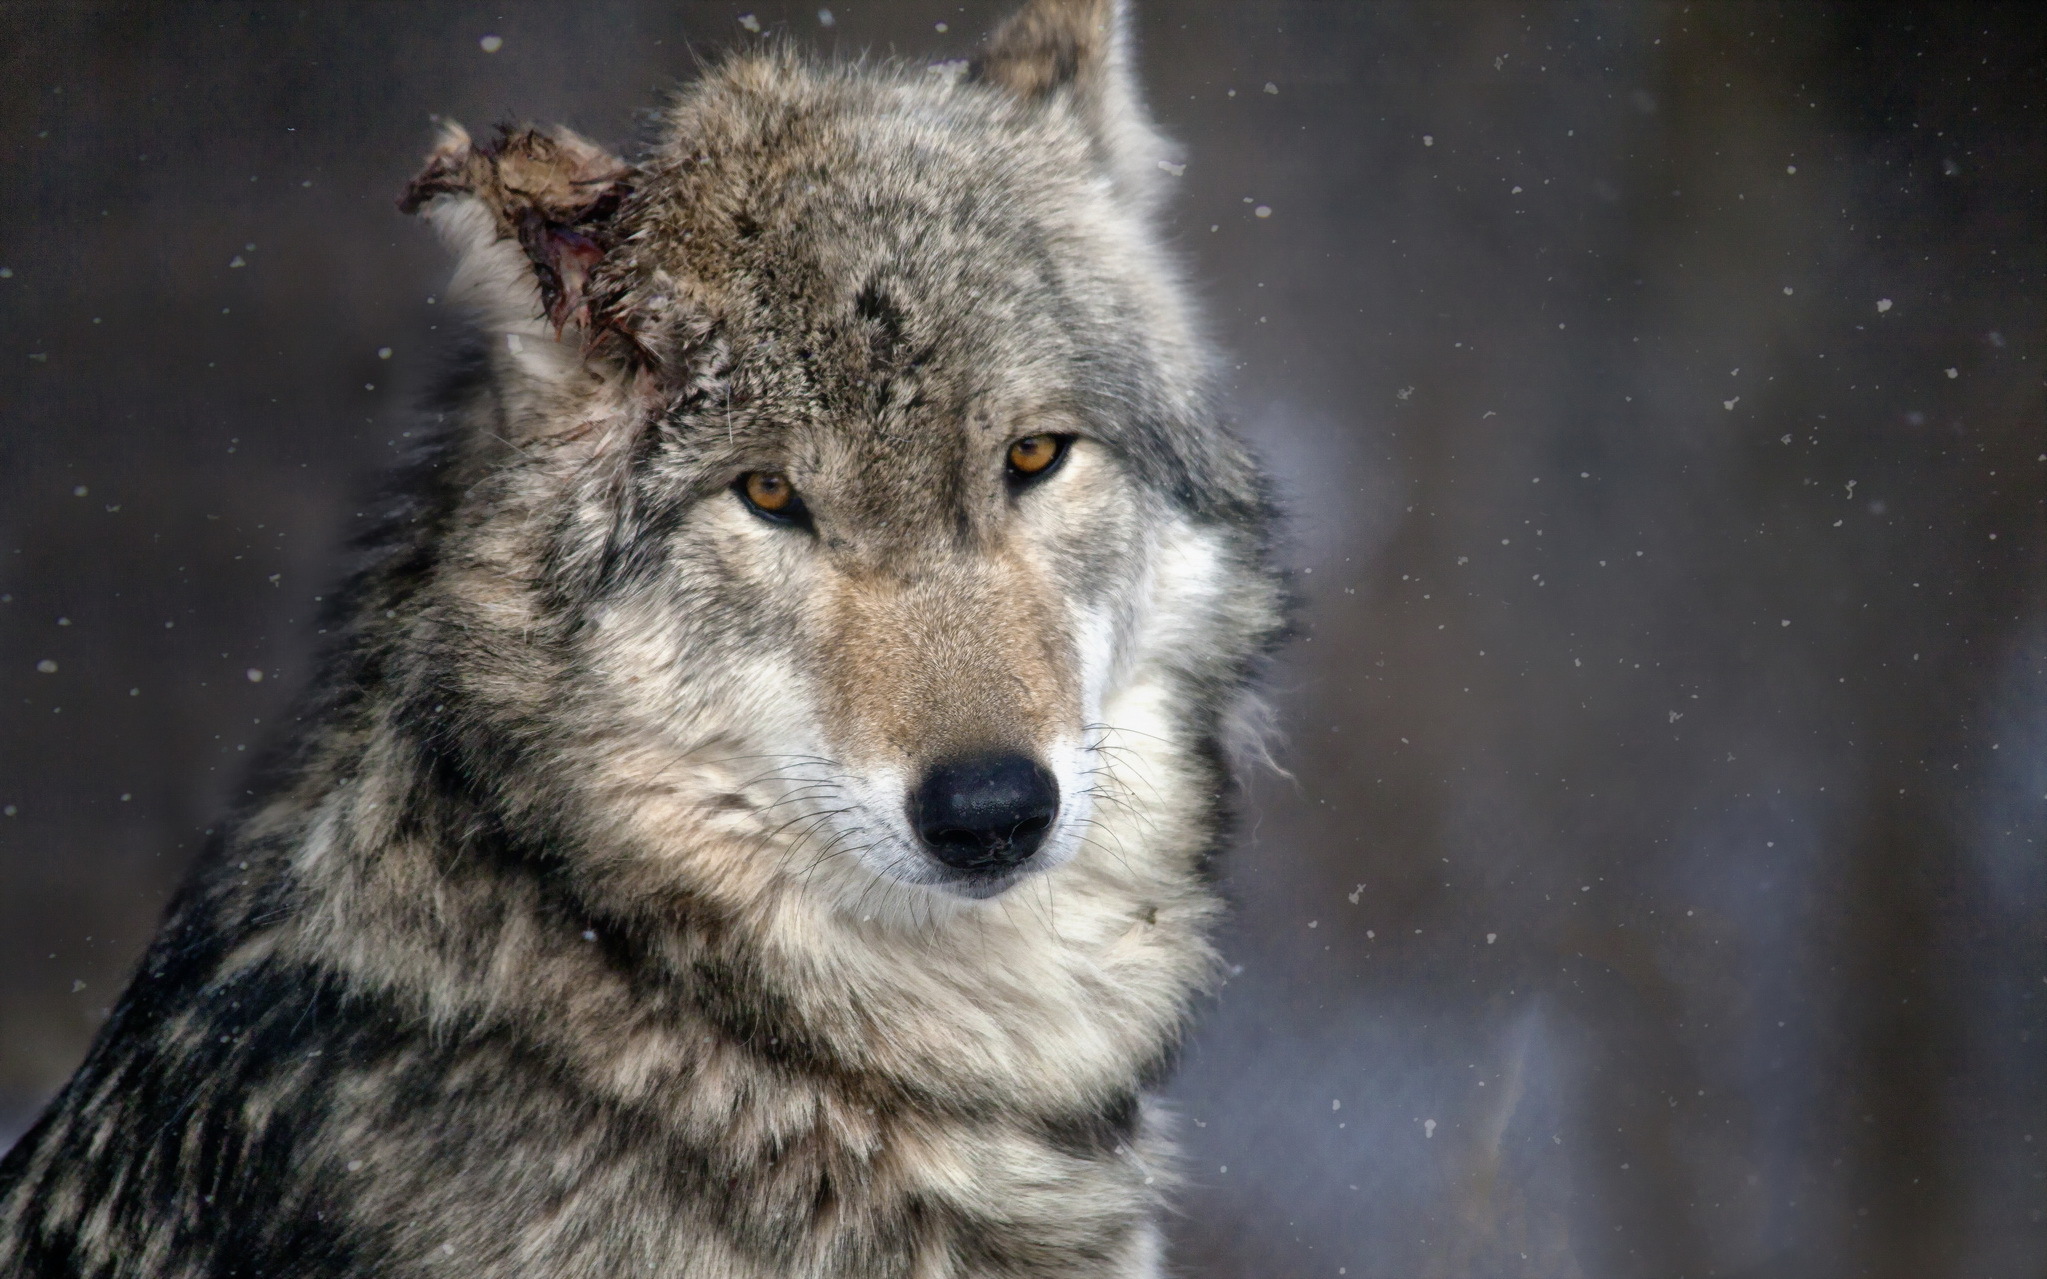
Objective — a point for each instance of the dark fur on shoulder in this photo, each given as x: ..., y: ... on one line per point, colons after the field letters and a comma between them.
x: 852, y: 447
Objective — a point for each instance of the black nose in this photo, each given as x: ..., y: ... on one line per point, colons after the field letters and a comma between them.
x: 985, y: 813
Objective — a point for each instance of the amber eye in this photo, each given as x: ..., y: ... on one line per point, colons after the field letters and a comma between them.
x: 769, y: 490
x: 770, y: 495
x: 1035, y: 455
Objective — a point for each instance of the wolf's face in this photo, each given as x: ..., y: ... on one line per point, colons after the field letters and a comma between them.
x: 843, y: 479
x: 947, y: 622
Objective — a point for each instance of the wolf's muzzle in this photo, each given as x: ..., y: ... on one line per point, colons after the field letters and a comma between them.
x: 986, y: 813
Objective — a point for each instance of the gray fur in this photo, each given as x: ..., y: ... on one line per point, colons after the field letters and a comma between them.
x: 579, y: 932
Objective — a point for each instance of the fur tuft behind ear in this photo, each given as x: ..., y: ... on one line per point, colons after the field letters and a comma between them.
x: 1077, y: 53
x: 529, y: 217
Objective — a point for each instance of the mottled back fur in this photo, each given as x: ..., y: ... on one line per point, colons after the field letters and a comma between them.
x: 589, y: 927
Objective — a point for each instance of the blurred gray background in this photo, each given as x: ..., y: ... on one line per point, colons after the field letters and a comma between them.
x: 1657, y: 391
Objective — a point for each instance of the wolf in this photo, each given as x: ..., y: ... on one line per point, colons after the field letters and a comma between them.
x: 758, y: 813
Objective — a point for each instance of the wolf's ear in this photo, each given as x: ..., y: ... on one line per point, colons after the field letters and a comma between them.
x: 1077, y: 53
x: 529, y: 217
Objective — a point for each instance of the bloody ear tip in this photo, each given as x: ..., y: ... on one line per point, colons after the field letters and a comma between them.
x: 556, y: 171
x: 550, y: 191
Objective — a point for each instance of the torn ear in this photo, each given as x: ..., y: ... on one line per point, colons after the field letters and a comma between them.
x: 553, y: 194
x: 1078, y: 52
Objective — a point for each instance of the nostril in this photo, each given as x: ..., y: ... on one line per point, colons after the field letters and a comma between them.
x: 985, y: 812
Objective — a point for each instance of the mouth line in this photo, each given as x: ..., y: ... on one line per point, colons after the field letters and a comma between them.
x: 920, y: 870
x: 981, y: 886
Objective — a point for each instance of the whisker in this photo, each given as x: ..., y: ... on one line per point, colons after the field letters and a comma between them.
x: 1114, y: 728
x: 1118, y: 852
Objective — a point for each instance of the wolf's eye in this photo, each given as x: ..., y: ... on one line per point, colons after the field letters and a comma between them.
x: 770, y: 495
x: 1034, y: 456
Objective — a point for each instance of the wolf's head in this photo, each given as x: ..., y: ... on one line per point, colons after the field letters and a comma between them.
x: 840, y: 482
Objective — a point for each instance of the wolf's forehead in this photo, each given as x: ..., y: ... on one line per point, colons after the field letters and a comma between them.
x: 907, y: 272
x: 910, y: 267
x: 901, y: 196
